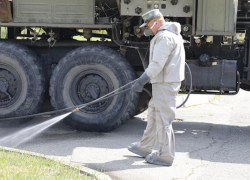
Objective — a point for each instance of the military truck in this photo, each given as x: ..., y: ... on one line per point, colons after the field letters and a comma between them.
x: 73, y: 52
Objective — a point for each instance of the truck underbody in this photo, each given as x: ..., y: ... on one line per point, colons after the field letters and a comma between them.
x: 72, y: 52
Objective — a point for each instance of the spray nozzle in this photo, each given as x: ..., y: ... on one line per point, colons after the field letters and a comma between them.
x: 75, y: 110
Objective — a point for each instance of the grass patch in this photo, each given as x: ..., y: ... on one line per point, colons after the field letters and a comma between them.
x: 22, y: 166
x: 81, y: 38
x: 216, y: 97
x: 211, y: 114
x: 181, y: 94
x: 3, y: 33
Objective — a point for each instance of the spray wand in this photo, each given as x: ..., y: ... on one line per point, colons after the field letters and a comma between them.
x: 110, y: 94
x: 75, y: 109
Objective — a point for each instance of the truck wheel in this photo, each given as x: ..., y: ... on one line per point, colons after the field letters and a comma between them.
x: 21, y: 81
x: 86, y: 74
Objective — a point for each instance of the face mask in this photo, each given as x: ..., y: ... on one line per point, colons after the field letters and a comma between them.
x: 148, y: 31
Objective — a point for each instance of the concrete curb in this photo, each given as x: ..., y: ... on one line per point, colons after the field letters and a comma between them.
x: 194, y: 99
x: 100, y: 176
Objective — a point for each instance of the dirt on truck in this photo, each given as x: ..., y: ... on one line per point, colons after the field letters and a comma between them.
x: 73, y: 52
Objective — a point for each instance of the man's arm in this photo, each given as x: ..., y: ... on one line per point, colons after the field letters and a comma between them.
x: 162, y: 50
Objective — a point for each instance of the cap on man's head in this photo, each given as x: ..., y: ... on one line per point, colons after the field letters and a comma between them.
x: 155, y: 13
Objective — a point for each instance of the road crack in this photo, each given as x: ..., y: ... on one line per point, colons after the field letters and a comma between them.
x: 202, y: 164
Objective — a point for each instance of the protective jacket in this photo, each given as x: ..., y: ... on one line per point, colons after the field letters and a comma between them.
x: 167, y: 55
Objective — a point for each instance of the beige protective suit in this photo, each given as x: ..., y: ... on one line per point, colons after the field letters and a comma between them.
x: 166, y: 71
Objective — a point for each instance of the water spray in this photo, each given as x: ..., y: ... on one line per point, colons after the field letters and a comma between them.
x: 30, y: 132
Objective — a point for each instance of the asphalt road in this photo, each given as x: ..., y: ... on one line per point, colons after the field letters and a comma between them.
x: 212, y: 142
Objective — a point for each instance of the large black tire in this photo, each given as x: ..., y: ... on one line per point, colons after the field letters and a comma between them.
x: 87, y: 73
x: 21, y: 73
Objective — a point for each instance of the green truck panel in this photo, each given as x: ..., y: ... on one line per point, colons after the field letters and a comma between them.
x: 54, y: 11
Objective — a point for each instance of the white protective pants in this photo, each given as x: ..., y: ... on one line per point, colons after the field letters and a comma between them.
x: 161, y: 114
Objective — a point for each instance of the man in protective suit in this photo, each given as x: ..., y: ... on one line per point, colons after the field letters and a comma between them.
x: 165, y: 71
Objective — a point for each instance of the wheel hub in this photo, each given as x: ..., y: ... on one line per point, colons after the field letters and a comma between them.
x: 4, y: 82
x: 92, y: 91
x: 89, y: 86
x: 10, y: 86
